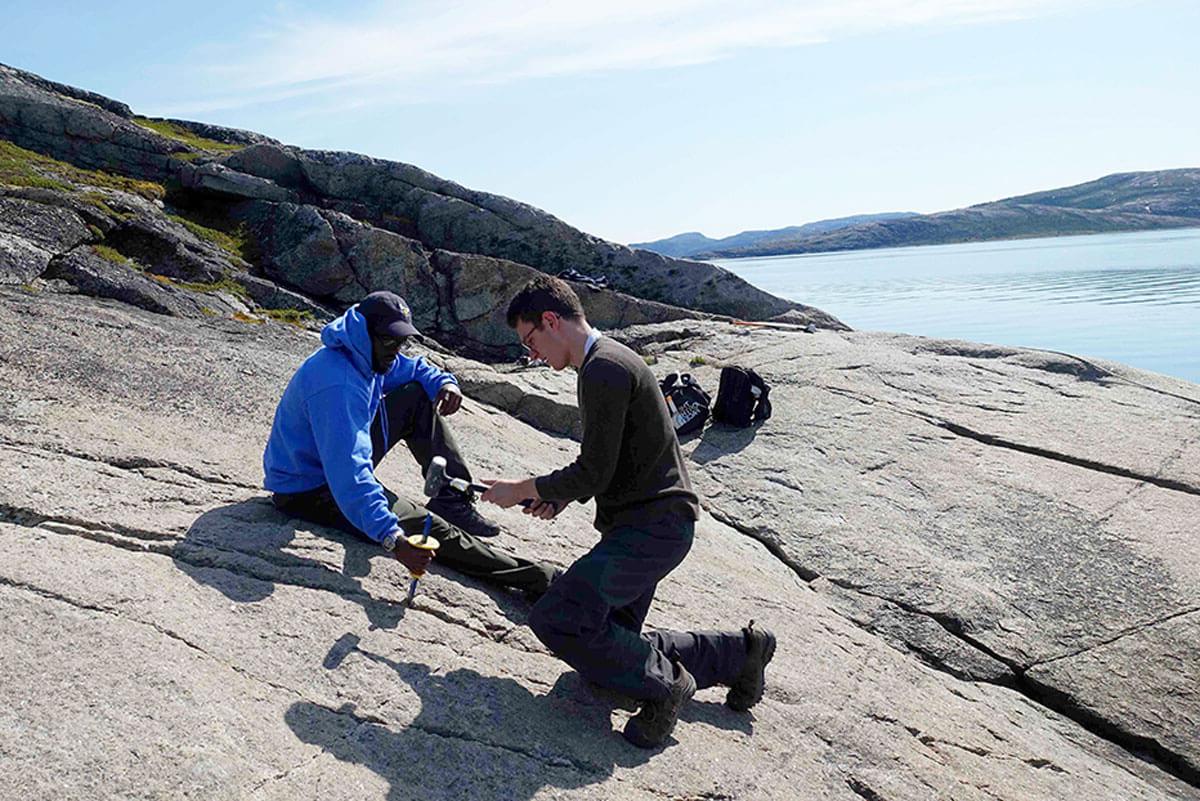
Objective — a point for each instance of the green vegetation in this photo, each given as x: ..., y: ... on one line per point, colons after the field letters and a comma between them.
x: 696, y: 361
x: 291, y: 316
x: 242, y: 317
x: 17, y: 168
x: 110, y: 254
x: 224, y: 284
x: 236, y: 243
x: 101, y: 203
x: 21, y: 167
x: 650, y: 360
x: 180, y: 134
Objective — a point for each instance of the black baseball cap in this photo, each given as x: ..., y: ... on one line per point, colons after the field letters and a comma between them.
x: 387, y: 315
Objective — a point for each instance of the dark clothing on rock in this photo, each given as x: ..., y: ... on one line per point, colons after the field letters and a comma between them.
x: 457, y: 549
x: 410, y: 418
x: 592, y: 616
x: 630, y: 461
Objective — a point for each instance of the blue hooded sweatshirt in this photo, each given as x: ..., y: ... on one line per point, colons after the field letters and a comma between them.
x: 322, y: 429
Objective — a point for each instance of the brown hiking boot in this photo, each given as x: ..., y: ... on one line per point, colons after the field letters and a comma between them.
x: 747, y: 689
x: 651, y: 727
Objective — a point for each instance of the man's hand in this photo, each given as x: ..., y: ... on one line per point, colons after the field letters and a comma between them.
x: 449, y: 399
x: 546, y: 510
x: 509, y: 493
x: 415, y: 559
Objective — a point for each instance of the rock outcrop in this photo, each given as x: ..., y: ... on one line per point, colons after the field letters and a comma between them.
x: 227, y: 167
x: 981, y: 561
x: 977, y: 561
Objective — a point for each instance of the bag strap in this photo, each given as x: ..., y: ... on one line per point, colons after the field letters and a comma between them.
x: 668, y: 382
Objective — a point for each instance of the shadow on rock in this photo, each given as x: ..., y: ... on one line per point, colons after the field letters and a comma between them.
x: 476, y: 736
x: 242, y: 550
x: 721, y: 440
x: 245, y: 548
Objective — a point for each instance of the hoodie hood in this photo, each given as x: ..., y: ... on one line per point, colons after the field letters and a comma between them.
x: 349, y: 334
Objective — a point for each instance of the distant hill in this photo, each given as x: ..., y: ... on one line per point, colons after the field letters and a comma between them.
x: 693, y: 242
x: 1131, y: 201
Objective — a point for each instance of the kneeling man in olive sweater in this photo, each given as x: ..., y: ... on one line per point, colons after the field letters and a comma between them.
x: 629, y: 461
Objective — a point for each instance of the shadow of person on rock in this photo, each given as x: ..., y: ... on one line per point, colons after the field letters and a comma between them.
x: 242, y: 550
x: 479, y: 737
x: 245, y: 548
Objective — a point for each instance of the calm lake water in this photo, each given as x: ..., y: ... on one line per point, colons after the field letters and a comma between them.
x: 1132, y: 298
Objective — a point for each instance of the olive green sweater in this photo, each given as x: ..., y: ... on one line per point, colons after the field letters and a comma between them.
x: 629, y: 459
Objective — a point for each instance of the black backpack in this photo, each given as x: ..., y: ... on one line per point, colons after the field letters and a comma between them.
x: 687, y: 402
x: 743, y: 398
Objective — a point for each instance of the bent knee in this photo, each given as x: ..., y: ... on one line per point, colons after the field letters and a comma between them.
x: 559, y: 617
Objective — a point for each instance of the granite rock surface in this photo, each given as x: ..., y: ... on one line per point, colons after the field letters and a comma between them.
x: 952, y: 620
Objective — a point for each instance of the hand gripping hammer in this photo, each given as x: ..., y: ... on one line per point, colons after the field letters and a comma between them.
x: 436, y: 480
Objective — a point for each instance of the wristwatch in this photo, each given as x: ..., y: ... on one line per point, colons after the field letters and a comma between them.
x: 389, y: 542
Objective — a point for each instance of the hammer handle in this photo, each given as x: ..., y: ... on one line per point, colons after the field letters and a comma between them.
x: 462, y: 485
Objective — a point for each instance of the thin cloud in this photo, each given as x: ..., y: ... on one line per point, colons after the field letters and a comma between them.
x: 400, y: 52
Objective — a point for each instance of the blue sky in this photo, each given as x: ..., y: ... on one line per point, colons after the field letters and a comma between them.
x: 639, y: 120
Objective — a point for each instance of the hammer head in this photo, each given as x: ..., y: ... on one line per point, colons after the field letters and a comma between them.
x: 435, y: 476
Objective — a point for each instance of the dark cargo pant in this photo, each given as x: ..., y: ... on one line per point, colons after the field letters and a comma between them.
x: 411, y: 419
x: 592, y: 616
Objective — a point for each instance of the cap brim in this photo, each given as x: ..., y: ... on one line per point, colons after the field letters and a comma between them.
x: 399, y: 328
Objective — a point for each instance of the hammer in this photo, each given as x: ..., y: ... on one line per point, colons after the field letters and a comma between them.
x: 436, y: 479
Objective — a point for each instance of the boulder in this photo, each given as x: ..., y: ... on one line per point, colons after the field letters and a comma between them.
x: 49, y: 228
x: 102, y: 277
x: 225, y: 181
x: 329, y: 255
x: 476, y: 291
x: 20, y: 260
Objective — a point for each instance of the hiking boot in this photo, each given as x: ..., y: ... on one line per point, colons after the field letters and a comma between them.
x: 462, y: 514
x: 651, y: 726
x: 747, y: 689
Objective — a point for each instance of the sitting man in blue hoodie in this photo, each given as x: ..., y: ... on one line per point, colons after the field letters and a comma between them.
x: 347, y: 405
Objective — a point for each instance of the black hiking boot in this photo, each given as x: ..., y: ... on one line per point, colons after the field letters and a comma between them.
x: 651, y: 726
x: 462, y: 514
x: 747, y: 689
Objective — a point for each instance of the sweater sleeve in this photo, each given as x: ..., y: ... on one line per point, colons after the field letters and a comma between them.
x: 343, y: 435
x: 605, y: 389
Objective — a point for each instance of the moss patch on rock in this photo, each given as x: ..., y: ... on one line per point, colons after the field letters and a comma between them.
x: 21, y: 167
x: 110, y: 254
x: 236, y: 243
x: 177, y: 132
